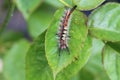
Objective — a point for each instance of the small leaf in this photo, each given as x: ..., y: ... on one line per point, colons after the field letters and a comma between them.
x: 14, y: 62
x: 78, y: 33
x: 104, y: 22
x: 87, y: 4
x: 27, y: 6
x: 39, y: 20
x: 111, y: 62
x: 75, y: 66
x: 37, y: 67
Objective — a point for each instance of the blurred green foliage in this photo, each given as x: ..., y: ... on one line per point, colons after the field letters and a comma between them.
x: 20, y: 61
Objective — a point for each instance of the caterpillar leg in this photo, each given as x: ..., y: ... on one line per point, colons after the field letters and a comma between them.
x: 59, y: 51
x: 63, y: 48
x: 67, y: 49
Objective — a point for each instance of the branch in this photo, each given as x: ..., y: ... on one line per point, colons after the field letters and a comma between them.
x: 8, y: 16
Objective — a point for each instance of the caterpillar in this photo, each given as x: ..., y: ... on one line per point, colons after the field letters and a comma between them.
x: 63, y: 32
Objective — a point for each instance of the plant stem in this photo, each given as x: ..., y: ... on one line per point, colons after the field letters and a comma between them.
x: 66, y: 4
x: 8, y: 16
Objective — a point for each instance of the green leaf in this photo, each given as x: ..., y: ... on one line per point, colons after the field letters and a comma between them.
x: 55, y: 3
x: 10, y: 36
x: 37, y: 67
x: 78, y: 33
x: 94, y: 65
x: 27, y: 7
x: 82, y: 75
x: 36, y: 62
x: 104, y: 22
x: 79, y: 62
x: 39, y: 20
x: 7, y: 39
x: 115, y: 46
x: 111, y: 62
x: 87, y: 4
x: 95, y: 59
x: 2, y: 77
x: 93, y: 70
x: 4, y: 47
x: 68, y: 3
x: 14, y: 62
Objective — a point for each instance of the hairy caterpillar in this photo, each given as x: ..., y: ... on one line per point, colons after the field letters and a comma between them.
x: 63, y: 33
